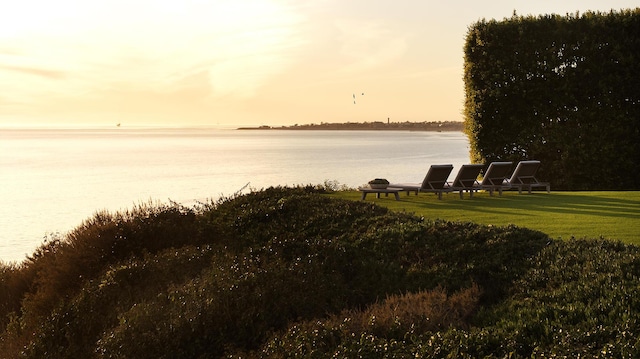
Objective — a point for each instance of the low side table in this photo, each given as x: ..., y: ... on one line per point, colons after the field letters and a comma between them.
x: 377, y: 191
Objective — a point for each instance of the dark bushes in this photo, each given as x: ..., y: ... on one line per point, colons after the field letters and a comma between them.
x: 287, y: 268
x: 59, y: 267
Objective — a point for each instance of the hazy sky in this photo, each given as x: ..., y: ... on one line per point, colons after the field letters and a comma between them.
x: 242, y: 62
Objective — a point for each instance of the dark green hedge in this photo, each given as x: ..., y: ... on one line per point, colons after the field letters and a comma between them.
x: 561, y: 89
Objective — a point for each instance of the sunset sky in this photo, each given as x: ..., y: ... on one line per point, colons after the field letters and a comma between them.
x: 242, y: 62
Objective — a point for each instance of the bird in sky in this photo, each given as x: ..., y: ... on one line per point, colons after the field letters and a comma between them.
x: 354, y: 98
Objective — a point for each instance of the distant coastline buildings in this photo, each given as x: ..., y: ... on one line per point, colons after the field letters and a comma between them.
x: 371, y: 126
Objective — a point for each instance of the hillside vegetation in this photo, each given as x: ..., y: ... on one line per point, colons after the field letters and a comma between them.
x: 290, y: 273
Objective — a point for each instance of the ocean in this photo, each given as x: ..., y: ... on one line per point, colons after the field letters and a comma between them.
x: 53, y: 179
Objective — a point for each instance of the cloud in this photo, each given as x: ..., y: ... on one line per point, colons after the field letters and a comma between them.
x: 49, y: 74
x: 154, y: 46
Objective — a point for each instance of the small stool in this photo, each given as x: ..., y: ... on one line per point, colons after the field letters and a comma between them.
x: 377, y: 191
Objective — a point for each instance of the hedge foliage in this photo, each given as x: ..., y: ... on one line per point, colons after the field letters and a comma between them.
x: 561, y: 89
x: 290, y: 273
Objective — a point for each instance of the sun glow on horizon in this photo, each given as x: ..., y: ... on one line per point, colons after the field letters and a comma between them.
x: 251, y: 61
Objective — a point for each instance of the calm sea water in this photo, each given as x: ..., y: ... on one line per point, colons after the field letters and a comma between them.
x: 52, y: 180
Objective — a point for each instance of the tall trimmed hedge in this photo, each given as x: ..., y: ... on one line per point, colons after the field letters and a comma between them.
x: 561, y: 89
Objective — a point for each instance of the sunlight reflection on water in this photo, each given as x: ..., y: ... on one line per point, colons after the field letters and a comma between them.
x: 54, y: 179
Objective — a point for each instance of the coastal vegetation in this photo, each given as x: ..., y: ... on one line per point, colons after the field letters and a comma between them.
x: 295, y: 273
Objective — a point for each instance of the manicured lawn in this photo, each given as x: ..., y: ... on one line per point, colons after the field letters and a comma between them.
x: 612, y: 215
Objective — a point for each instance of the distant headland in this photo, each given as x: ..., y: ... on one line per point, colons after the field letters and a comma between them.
x: 370, y: 126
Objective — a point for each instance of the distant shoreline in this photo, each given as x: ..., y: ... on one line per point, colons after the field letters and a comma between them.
x: 369, y: 126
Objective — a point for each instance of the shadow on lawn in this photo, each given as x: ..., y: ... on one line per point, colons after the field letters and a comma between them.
x: 579, y: 204
x: 511, y: 203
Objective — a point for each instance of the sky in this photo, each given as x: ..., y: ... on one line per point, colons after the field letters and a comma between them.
x: 183, y: 63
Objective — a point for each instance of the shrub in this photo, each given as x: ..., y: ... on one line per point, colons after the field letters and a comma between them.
x: 62, y: 265
x: 387, y: 326
x: 579, y: 298
x: 290, y: 273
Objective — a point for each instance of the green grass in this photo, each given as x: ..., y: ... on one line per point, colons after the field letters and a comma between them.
x: 612, y: 215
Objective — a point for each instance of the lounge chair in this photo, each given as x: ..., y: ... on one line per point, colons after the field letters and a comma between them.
x: 496, y: 177
x: 524, y: 176
x: 435, y: 181
x: 467, y: 179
